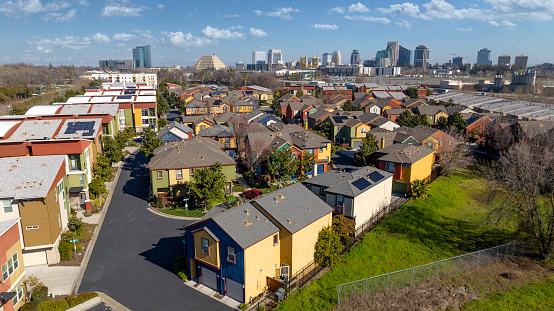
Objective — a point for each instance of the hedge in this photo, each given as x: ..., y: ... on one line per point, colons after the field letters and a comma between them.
x: 53, y: 305
x: 73, y: 301
x: 65, y: 250
x: 29, y: 306
x: 40, y: 294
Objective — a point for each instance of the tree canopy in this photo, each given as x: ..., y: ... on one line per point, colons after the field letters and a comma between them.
x: 368, y: 147
x: 328, y: 247
x: 280, y: 165
x: 409, y: 119
x: 149, y: 142
x: 411, y: 92
x: 208, y: 184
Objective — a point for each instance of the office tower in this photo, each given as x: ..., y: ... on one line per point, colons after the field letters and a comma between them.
x: 258, y: 57
x: 458, y: 60
x: 521, y: 60
x: 484, y: 57
x: 504, y: 60
x: 326, y: 59
x: 142, y: 56
x: 336, y: 58
x: 393, y: 48
x: 421, y: 57
x: 274, y: 57
x: 404, y: 57
x: 117, y: 64
x: 382, y: 59
x: 354, y: 57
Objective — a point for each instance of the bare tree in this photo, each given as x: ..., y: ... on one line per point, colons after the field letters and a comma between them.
x: 522, y: 189
x: 457, y: 155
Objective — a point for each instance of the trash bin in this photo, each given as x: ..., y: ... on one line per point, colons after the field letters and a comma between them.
x: 280, y: 293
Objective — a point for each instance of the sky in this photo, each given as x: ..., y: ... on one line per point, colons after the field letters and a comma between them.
x: 81, y: 32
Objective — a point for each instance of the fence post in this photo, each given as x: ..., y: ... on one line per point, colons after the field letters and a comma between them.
x: 478, y: 255
x: 497, y: 249
x: 458, y: 267
x: 514, y: 250
x: 338, y: 294
x: 413, y: 268
x: 388, y: 276
x: 437, y: 273
x: 366, y: 285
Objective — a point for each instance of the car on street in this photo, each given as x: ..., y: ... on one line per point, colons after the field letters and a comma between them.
x: 252, y: 193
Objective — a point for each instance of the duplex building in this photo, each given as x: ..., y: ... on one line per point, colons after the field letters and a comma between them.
x: 11, y: 260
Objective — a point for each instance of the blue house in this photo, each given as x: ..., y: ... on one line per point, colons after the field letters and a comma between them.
x: 175, y: 131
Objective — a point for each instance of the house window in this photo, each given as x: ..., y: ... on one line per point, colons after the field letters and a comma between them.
x: 320, y: 150
x: 31, y: 227
x: 18, y: 294
x: 152, y: 122
x: 231, y: 254
x: 440, y: 143
x: 191, y: 172
x: 9, y: 267
x: 405, y: 165
x: 179, y: 174
x: 152, y: 112
x: 144, y: 112
x: 450, y: 143
x: 144, y: 121
x: 340, y: 200
x: 276, y: 239
x: 363, y: 130
x: 7, y: 205
x: 59, y: 221
x: 205, y: 246
x: 321, y: 190
x: 73, y: 162
x: 160, y: 175
x: 81, y: 179
x: 389, y: 166
x: 122, y: 122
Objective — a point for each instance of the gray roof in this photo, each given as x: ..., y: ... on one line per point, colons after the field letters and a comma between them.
x: 216, y: 131
x: 6, y: 224
x: 294, y: 207
x: 400, y: 153
x: 178, y: 129
x: 111, y: 109
x: 349, y: 184
x: 29, y: 177
x: 75, y: 109
x: 395, y: 111
x: 35, y: 130
x: 193, y: 152
x: 80, y: 129
x: 246, y: 225
x: 430, y: 110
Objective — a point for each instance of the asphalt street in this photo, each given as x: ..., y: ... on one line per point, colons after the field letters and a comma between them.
x: 132, y: 261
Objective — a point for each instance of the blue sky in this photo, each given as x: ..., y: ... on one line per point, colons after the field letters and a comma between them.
x: 81, y: 32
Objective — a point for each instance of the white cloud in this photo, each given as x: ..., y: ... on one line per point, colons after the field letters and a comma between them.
x: 123, y: 36
x: 160, y: 6
x: 382, y: 20
x: 101, y: 38
x: 464, y: 29
x: 121, y: 8
x: 283, y: 13
x: 440, y: 9
x: 121, y: 45
x: 59, y: 17
x: 236, y: 27
x: 179, y: 39
x: 358, y: 8
x: 404, y: 24
x: 325, y: 26
x: 232, y: 15
x: 67, y: 42
x: 256, y: 32
x: 504, y: 23
x: 404, y: 8
x: 221, y: 34
x: 338, y: 9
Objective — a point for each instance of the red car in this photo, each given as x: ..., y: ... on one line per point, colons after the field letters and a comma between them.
x: 252, y: 194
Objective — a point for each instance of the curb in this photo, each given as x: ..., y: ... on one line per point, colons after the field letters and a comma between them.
x: 84, y: 263
x: 87, y: 304
x: 112, y: 303
x: 172, y: 216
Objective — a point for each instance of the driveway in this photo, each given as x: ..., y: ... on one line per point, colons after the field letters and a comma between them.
x: 132, y: 261
x: 344, y: 160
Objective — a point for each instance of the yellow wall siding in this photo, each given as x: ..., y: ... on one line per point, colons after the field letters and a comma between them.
x: 138, y: 116
x: 173, y: 177
x: 16, y: 248
x: 326, y: 154
x: 213, y: 257
x: 421, y: 169
x: 261, y: 260
x: 43, y: 213
x: 303, y: 243
x: 359, y: 130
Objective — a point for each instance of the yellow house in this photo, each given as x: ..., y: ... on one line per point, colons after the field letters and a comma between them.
x: 407, y: 163
x: 241, y: 107
x: 238, y: 252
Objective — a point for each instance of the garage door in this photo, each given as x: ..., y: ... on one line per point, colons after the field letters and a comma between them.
x: 209, y: 278
x: 356, y: 145
x: 234, y: 290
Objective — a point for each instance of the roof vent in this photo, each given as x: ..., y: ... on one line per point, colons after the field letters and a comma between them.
x: 281, y: 196
x: 247, y: 213
x: 246, y: 222
x: 290, y: 222
x: 258, y: 217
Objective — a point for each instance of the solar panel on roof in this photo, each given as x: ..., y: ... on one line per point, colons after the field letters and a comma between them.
x: 124, y: 97
x: 129, y: 92
x: 375, y: 176
x: 80, y: 126
x: 340, y: 118
x: 361, y: 183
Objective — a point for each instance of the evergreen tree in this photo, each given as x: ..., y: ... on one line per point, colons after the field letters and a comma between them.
x: 280, y: 165
x: 208, y: 184
x: 328, y: 247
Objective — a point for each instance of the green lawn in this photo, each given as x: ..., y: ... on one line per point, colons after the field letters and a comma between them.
x: 448, y: 223
x: 178, y: 211
x: 266, y: 188
x: 537, y: 296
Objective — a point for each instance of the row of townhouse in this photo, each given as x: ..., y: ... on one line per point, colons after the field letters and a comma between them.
x: 11, y: 261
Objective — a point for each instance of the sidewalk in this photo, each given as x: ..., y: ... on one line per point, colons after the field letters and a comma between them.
x: 211, y: 293
x: 58, y: 279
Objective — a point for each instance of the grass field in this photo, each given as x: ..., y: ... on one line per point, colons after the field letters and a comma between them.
x: 537, y: 296
x: 451, y: 221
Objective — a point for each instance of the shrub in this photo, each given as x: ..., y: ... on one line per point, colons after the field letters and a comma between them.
x: 74, y: 223
x: 65, y: 249
x: 68, y: 235
x: 243, y: 306
x: 328, y: 247
x: 239, y: 188
x: 261, y: 308
x: 73, y: 301
x: 419, y: 189
x: 180, y: 267
x: 53, y: 305
x: 40, y: 294
x: 29, y: 306
x: 96, y: 211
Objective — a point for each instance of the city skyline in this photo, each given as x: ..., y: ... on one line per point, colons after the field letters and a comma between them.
x: 81, y: 32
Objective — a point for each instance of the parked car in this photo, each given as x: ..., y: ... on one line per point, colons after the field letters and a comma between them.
x: 252, y: 194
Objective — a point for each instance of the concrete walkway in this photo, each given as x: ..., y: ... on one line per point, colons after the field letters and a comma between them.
x: 211, y: 293
x: 58, y: 279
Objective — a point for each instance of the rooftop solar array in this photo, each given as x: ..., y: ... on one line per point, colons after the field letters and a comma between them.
x: 124, y: 97
x: 375, y: 176
x: 340, y: 119
x: 130, y: 92
x: 361, y: 183
x: 87, y: 127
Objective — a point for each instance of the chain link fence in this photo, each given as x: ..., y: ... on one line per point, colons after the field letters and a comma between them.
x: 415, y: 275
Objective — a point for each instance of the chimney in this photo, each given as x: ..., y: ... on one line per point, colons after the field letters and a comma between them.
x: 247, y: 213
x: 382, y: 142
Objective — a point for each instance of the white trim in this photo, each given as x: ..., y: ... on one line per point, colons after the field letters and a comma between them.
x: 16, y: 220
x: 18, y: 280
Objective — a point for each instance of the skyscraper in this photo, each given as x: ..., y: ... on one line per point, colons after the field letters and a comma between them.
x: 258, y: 57
x: 142, y: 56
x: 404, y: 57
x: 354, y: 57
x: 326, y: 59
x: 274, y: 57
x: 504, y: 60
x: 336, y: 58
x: 459, y: 60
x: 382, y: 59
x: 484, y: 57
x: 393, y: 48
x: 421, y: 57
x: 521, y: 60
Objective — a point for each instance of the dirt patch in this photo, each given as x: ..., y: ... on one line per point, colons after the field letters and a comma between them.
x: 84, y: 241
x: 453, y: 293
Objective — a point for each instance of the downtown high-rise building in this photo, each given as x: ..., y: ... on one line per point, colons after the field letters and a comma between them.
x: 459, y: 60
x: 382, y: 59
x: 421, y: 57
x: 258, y: 57
x: 274, y: 57
x: 521, y: 61
x: 504, y: 60
x: 142, y: 56
x: 484, y: 57
x: 393, y: 48
x: 336, y: 58
x: 326, y: 59
x: 404, y: 57
x: 354, y: 57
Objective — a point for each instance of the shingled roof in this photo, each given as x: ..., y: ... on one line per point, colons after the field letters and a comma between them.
x: 349, y: 184
x: 405, y: 154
